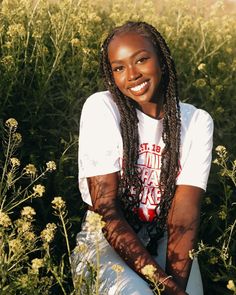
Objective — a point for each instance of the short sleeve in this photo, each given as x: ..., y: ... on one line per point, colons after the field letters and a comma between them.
x: 99, y: 137
x: 197, y: 151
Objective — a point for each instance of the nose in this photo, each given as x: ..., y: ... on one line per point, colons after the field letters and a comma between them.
x: 133, y: 73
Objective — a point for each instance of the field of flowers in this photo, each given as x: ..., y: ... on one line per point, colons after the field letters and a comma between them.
x: 49, y: 56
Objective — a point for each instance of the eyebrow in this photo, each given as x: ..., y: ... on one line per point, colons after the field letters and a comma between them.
x: 134, y: 54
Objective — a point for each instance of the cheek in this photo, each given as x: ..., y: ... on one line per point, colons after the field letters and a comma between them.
x: 119, y: 81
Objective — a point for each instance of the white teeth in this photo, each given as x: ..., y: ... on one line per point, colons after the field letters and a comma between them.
x: 139, y: 87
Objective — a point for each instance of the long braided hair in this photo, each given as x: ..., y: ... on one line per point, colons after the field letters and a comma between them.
x: 130, y: 180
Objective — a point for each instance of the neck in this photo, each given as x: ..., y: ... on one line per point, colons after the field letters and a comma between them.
x: 153, y: 109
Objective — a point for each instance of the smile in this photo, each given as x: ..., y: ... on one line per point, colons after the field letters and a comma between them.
x: 139, y: 87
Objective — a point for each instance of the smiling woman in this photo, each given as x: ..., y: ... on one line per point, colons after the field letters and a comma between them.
x: 136, y: 70
x: 144, y: 161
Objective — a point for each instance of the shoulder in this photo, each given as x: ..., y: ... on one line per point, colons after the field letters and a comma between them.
x: 100, y: 103
x: 194, y: 116
x: 100, y: 111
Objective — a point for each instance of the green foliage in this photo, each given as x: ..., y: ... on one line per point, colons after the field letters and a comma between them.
x: 26, y: 263
x: 49, y: 64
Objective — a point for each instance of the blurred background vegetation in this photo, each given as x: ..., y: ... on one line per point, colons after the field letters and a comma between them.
x: 49, y: 55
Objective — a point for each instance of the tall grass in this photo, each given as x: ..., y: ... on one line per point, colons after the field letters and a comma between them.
x: 49, y: 53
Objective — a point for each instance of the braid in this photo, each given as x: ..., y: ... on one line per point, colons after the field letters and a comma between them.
x: 129, y: 130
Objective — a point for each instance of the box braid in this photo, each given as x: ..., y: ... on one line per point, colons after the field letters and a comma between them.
x: 129, y: 130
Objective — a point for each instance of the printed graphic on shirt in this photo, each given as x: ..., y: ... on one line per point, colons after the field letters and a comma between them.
x: 149, y: 166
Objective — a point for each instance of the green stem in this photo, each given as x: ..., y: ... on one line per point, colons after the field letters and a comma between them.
x: 98, y: 267
x: 5, y: 164
x: 20, y: 202
x: 65, y: 234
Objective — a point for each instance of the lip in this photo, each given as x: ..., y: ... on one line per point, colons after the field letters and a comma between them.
x: 139, y: 88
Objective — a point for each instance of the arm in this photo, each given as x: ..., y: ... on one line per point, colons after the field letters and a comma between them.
x: 183, y: 221
x: 103, y: 190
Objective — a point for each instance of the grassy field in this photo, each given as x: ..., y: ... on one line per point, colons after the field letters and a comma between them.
x: 49, y: 55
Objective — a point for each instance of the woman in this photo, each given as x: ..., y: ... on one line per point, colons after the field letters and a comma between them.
x: 144, y: 161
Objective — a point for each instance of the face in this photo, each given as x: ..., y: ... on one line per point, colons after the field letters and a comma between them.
x: 135, y: 67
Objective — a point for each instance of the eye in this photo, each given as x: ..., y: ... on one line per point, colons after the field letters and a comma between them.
x: 142, y: 59
x: 117, y: 69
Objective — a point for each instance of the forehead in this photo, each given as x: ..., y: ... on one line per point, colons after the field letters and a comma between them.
x: 125, y: 44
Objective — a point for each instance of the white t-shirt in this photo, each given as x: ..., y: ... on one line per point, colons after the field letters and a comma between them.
x: 101, y: 148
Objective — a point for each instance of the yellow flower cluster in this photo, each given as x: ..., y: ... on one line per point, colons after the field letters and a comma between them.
x: 117, y: 268
x: 15, y: 245
x: 81, y: 247
x: 7, y: 61
x: 201, y: 67
x: 231, y: 286
x: 5, y: 220
x: 75, y: 42
x: 30, y: 169
x: 11, y: 123
x: 16, y: 30
x: 47, y: 235
x: 51, y: 166
x: 23, y: 280
x: 58, y: 203
x: 221, y: 150
x: 39, y: 190
x: 149, y: 271
x: 94, y: 222
x: 15, y: 162
x: 28, y: 213
x: 191, y: 254
x: 23, y: 225
x: 17, y: 138
x: 36, y: 264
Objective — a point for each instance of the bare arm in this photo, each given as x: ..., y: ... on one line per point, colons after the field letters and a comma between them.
x: 120, y: 235
x: 183, y: 221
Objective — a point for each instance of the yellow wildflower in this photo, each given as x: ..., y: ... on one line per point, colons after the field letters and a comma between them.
x: 51, y: 165
x: 148, y: 271
x: 15, y: 162
x: 200, y: 83
x: 191, y: 254
x: 75, y: 42
x: 28, y: 213
x: 94, y: 222
x: 221, y: 150
x: 48, y: 233
x: 231, y: 286
x: 23, y: 225
x: 30, y: 169
x: 15, y: 245
x: 222, y: 215
x: 29, y: 236
x: 117, y: 268
x: 216, y: 161
x: 201, y: 67
x: 36, y: 264
x: 23, y: 281
x: 58, y: 203
x: 7, y: 61
x: 17, y: 137
x: 11, y: 123
x: 5, y: 220
x: 16, y: 30
x: 39, y: 190
x: 82, y: 247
